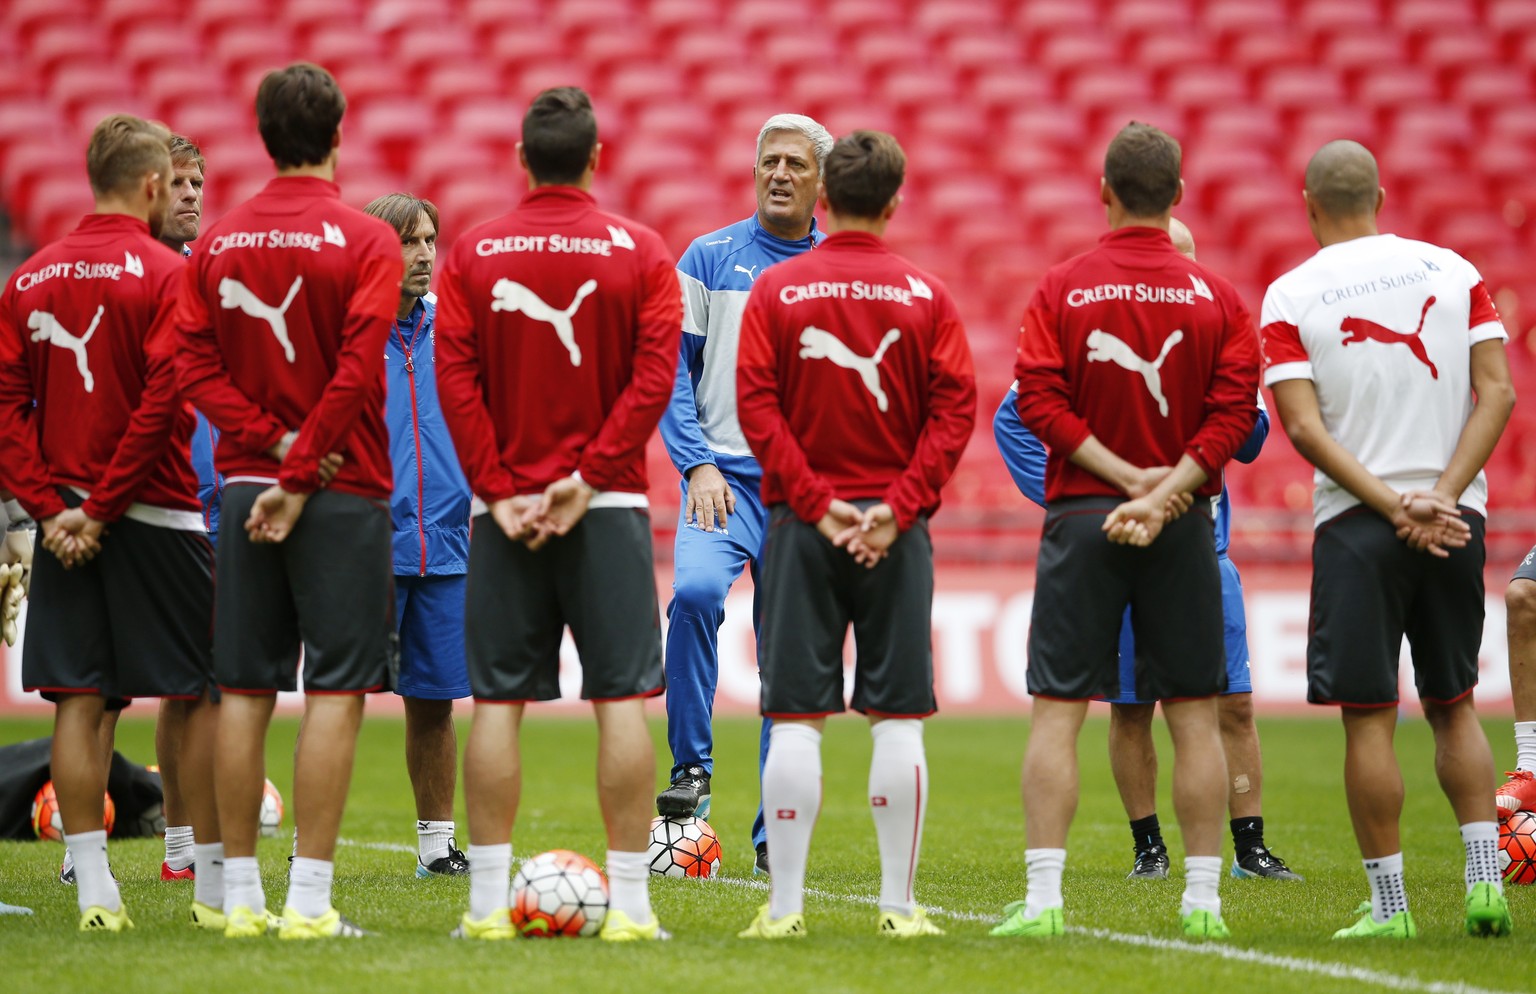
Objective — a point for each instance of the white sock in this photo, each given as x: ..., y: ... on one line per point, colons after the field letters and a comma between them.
x: 309, y: 886
x: 490, y: 868
x: 432, y: 840
x: 178, y: 848
x: 898, y: 798
x: 629, y: 876
x: 791, y: 802
x: 1387, y: 894
x: 242, y: 884
x: 1202, y: 874
x: 208, y: 887
x: 1481, y: 839
x: 93, y: 877
x: 1042, y: 880
x: 1525, y: 745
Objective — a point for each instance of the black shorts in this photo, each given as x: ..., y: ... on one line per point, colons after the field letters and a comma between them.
x: 328, y: 588
x: 812, y: 591
x: 1084, y: 582
x: 600, y: 580
x: 1527, y: 568
x: 136, y: 621
x: 1369, y: 590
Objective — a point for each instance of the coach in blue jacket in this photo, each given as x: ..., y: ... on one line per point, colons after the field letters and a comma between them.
x: 430, y: 510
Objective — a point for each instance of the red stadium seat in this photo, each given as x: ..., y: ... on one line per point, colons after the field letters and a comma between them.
x: 495, y: 122
x: 1430, y: 17
x: 26, y: 18
x: 636, y: 85
x: 1301, y: 88
x: 80, y: 83
x: 726, y: 87
x: 464, y: 203
x: 214, y: 17
x: 143, y: 47
x: 1163, y: 52
x: 882, y: 51
x: 603, y: 50
x: 1364, y: 51
x: 450, y: 84
x: 419, y: 48
x: 1238, y: 18
x: 698, y: 50
x: 1513, y: 16
x: 435, y: 164
x: 1142, y: 17
x: 367, y: 83
x: 1264, y: 51
x: 66, y: 44
x: 909, y: 88
x: 576, y: 17
x: 395, y: 126
x: 977, y: 53
x: 1389, y: 87
x: 341, y: 48
x: 489, y: 18
x: 243, y: 48
x: 1492, y: 86
x: 1107, y: 87
x: 673, y: 17
x: 1443, y: 125
x: 1004, y: 87
x: 55, y: 206
x: 942, y: 21
x: 1324, y: 17
x: 1248, y: 126
x: 1069, y: 51
x: 1047, y: 17
x: 813, y: 89
x: 393, y: 16
x: 1201, y: 86
x: 788, y: 53
x: 307, y: 16
x: 850, y: 19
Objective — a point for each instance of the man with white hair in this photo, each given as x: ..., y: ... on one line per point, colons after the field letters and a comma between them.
x: 720, y: 525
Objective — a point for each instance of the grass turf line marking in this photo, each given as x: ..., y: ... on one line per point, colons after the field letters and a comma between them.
x: 1339, y: 971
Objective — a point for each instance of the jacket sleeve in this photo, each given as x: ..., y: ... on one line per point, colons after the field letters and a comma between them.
x: 680, y: 431
x: 1230, y: 410
x: 1021, y: 451
x: 759, y: 405
x: 462, y: 394
x: 951, y: 420
x: 1045, y: 403
x: 639, y: 406
x: 359, y: 365
x: 149, y: 427
x: 204, y: 378
x: 24, y: 471
x: 1250, y: 449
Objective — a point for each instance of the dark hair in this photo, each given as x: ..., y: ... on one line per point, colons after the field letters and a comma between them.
x: 400, y: 211
x: 864, y: 171
x: 1142, y: 168
x: 298, y: 110
x: 123, y: 149
x: 559, y: 133
x: 183, y: 149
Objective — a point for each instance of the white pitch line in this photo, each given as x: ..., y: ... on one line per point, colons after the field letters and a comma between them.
x: 1339, y: 971
x: 1295, y: 964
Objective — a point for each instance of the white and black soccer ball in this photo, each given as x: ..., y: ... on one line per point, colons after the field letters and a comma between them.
x: 559, y: 893
x: 271, y: 809
x: 684, y: 847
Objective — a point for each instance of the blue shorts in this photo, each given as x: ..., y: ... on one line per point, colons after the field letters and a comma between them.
x: 429, y: 614
x: 1235, y: 626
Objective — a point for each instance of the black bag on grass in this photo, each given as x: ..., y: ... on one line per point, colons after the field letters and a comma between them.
x: 24, y: 768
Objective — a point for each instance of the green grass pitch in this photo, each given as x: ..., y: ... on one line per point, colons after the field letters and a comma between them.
x: 1123, y: 937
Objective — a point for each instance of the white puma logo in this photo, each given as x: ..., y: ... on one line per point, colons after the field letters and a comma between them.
x: 751, y: 273
x: 234, y: 294
x: 513, y: 296
x: 46, y: 328
x: 1104, y: 347
x: 818, y: 344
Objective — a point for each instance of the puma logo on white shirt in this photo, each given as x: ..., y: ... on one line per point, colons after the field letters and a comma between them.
x: 46, y: 328
x: 513, y: 296
x: 234, y: 294
x: 1104, y: 347
x: 819, y: 344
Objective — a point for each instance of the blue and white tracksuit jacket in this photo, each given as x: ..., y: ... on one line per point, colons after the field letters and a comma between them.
x: 700, y: 426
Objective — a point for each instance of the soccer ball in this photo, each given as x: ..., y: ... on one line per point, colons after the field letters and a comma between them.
x: 559, y: 893
x: 49, y: 824
x: 684, y: 847
x: 271, y: 809
x: 1517, y: 848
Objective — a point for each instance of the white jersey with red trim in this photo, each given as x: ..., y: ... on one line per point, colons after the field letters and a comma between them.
x: 1384, y: 327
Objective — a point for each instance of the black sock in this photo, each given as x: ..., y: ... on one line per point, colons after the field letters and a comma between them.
x: 1147, y: 832
x: 1247, y: 833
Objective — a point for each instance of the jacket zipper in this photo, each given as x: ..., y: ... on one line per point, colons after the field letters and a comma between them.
x: 421, y: 507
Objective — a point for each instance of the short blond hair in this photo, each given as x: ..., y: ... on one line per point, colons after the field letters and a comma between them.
x: 123, y: 149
